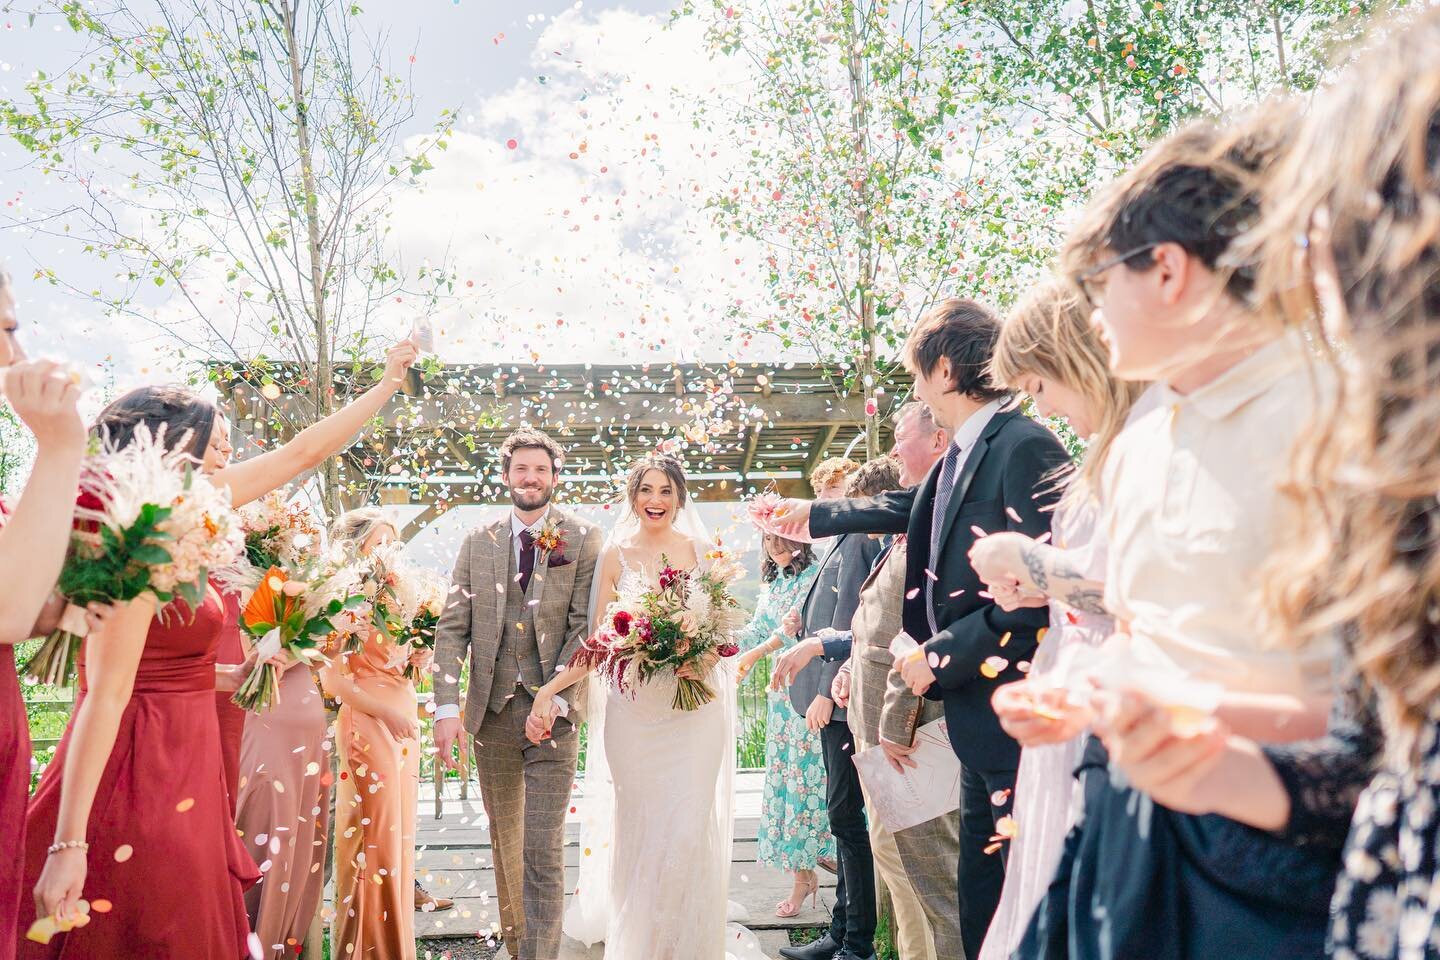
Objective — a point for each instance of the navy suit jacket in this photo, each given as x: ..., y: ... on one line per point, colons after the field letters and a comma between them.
x: 1006, y: 483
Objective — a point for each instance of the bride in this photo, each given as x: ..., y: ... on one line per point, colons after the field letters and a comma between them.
x: 655, y: 864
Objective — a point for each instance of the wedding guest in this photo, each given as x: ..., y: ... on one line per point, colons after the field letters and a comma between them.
x: 378, y: 738
x: 1049, y: 351
x: 1364, y: 264
x: 1190, y: 500
x: 827, y: 606
x: 917, y: 862
x: 794, y: 828
x: 252, y: 479
x: 34, y: 537
x: 992, y: 478
x: 921, y: 876
x: 136, y: 790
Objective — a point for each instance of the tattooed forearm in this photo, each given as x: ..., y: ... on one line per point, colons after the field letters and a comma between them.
x: 1085, y: 600
x: 1031, y: 555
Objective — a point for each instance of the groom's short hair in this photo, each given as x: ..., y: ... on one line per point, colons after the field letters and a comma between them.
x: 528, y: 438
x: 963, y: 332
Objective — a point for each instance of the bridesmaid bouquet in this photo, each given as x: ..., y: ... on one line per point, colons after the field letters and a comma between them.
x: 145, y: 522
x: 431, y: 592
x: 277, y: 534
x: 283, y: 614
x: 387, y: 589
x: 688, y: 619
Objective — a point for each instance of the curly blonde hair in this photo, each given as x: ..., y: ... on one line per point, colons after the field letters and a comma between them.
x: 830, y: 470
x: 1362, y: 559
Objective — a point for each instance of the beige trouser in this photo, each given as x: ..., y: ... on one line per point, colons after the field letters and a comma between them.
x: 913, y: 937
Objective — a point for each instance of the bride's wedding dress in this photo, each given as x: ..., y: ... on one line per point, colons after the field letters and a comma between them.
x: 655, y: 852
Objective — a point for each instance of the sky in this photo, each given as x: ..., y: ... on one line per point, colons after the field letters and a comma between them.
x: 606, y: 258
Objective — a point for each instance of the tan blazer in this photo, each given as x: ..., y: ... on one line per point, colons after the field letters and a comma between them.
x: 471, y: 624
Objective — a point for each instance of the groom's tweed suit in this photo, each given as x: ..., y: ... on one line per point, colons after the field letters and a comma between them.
x: 512, y: 641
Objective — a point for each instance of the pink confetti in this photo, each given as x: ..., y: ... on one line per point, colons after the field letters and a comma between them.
x: 1013, y: 514
x: 512, y: 143
x: 912, y: 593
x: 978, y: 532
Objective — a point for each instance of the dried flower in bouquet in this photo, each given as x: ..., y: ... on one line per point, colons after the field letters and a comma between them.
x: 387, y: 587
x: 277, y: 534
x: 145, y: 522
x: 431, y: 592
x: 689, y: 618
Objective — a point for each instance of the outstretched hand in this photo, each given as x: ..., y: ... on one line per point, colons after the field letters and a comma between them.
x: 398, y: 359
x: 46, y: 399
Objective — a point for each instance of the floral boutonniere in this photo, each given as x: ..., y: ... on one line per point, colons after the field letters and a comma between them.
x: 551, y: 540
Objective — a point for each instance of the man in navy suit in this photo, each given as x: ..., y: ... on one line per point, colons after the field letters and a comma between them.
x: 996, y: 475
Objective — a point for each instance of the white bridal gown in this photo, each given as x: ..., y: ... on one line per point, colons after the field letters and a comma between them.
x: 655, y: 841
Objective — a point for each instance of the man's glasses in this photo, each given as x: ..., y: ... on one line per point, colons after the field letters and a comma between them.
x: 1086, y: 280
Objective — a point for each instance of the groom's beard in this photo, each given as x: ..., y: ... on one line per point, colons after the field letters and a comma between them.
x: 527, y: 499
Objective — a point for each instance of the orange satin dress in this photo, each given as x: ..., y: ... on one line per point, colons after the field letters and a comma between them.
x: 375, y: 812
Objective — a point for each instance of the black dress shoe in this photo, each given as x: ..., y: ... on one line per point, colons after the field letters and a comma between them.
x: 822, y: 949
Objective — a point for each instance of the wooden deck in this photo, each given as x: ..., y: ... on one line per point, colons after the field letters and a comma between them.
x: 454, y: 860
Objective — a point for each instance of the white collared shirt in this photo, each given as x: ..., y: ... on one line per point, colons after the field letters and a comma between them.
x: 969, y: 432
x: 1191, y: 509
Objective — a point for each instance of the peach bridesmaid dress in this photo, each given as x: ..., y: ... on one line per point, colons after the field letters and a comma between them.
x: 375, y: 811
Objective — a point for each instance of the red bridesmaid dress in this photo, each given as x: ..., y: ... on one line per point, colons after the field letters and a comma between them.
x: 231, y: 717
x: 14, y: 789
x: 164, y: 860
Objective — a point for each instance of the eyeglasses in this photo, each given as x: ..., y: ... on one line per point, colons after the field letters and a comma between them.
x: 1085, y: 280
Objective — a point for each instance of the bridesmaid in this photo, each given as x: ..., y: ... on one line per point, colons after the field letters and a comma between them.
x: 795, y: 827
x: 1049, y: 350
x: 33, y: 541
x: 136, y: 792
x: 378, y: 735
x: 254, y: 478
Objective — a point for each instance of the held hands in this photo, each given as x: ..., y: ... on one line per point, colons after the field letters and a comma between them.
x: 45, y: 398
x: 1160, y: 759
x: 1037, y: 716
x: 819, y: 713
x: 541, y: 721
x: 999, y: 563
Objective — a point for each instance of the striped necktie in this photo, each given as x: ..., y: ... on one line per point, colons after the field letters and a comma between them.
x: 943, y: 489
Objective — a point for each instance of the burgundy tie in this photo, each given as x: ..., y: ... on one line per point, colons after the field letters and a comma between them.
x: 527, y: 558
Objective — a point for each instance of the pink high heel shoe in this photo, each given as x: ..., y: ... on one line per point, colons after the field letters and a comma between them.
x: 786, y: 909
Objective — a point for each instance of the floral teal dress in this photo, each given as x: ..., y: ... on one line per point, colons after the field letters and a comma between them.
x: 794, y: 822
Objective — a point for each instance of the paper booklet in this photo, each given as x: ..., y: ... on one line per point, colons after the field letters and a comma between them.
x: 924, y: 792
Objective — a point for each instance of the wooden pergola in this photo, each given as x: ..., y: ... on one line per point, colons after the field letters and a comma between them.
x: 739, y: 428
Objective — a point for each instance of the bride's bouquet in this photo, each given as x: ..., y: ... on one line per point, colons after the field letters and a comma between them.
x: 688, y: 619
x: 291, y: 615
x: 145, y: 522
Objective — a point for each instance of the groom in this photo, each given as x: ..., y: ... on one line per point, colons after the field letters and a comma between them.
x: 518, y: 612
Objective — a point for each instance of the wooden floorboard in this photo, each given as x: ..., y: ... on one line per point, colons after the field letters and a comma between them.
x: 454, y: 860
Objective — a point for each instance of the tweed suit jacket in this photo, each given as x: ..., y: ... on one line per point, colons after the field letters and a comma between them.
x: 559, y: 601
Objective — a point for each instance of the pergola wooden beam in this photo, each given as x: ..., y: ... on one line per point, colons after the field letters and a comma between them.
x: 822, y: 443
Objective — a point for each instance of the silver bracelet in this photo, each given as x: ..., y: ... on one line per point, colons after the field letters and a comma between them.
x: 67, y: 845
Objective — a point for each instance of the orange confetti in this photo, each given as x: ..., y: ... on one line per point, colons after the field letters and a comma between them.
x: 101, y: 906
x: 124, y: 852
x: 185, y: 805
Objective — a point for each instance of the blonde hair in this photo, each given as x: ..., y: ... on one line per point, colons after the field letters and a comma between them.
x: 1048, y: 334
x: 830, y: 470
x: 1361, y: 556
x: 352, y: 528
